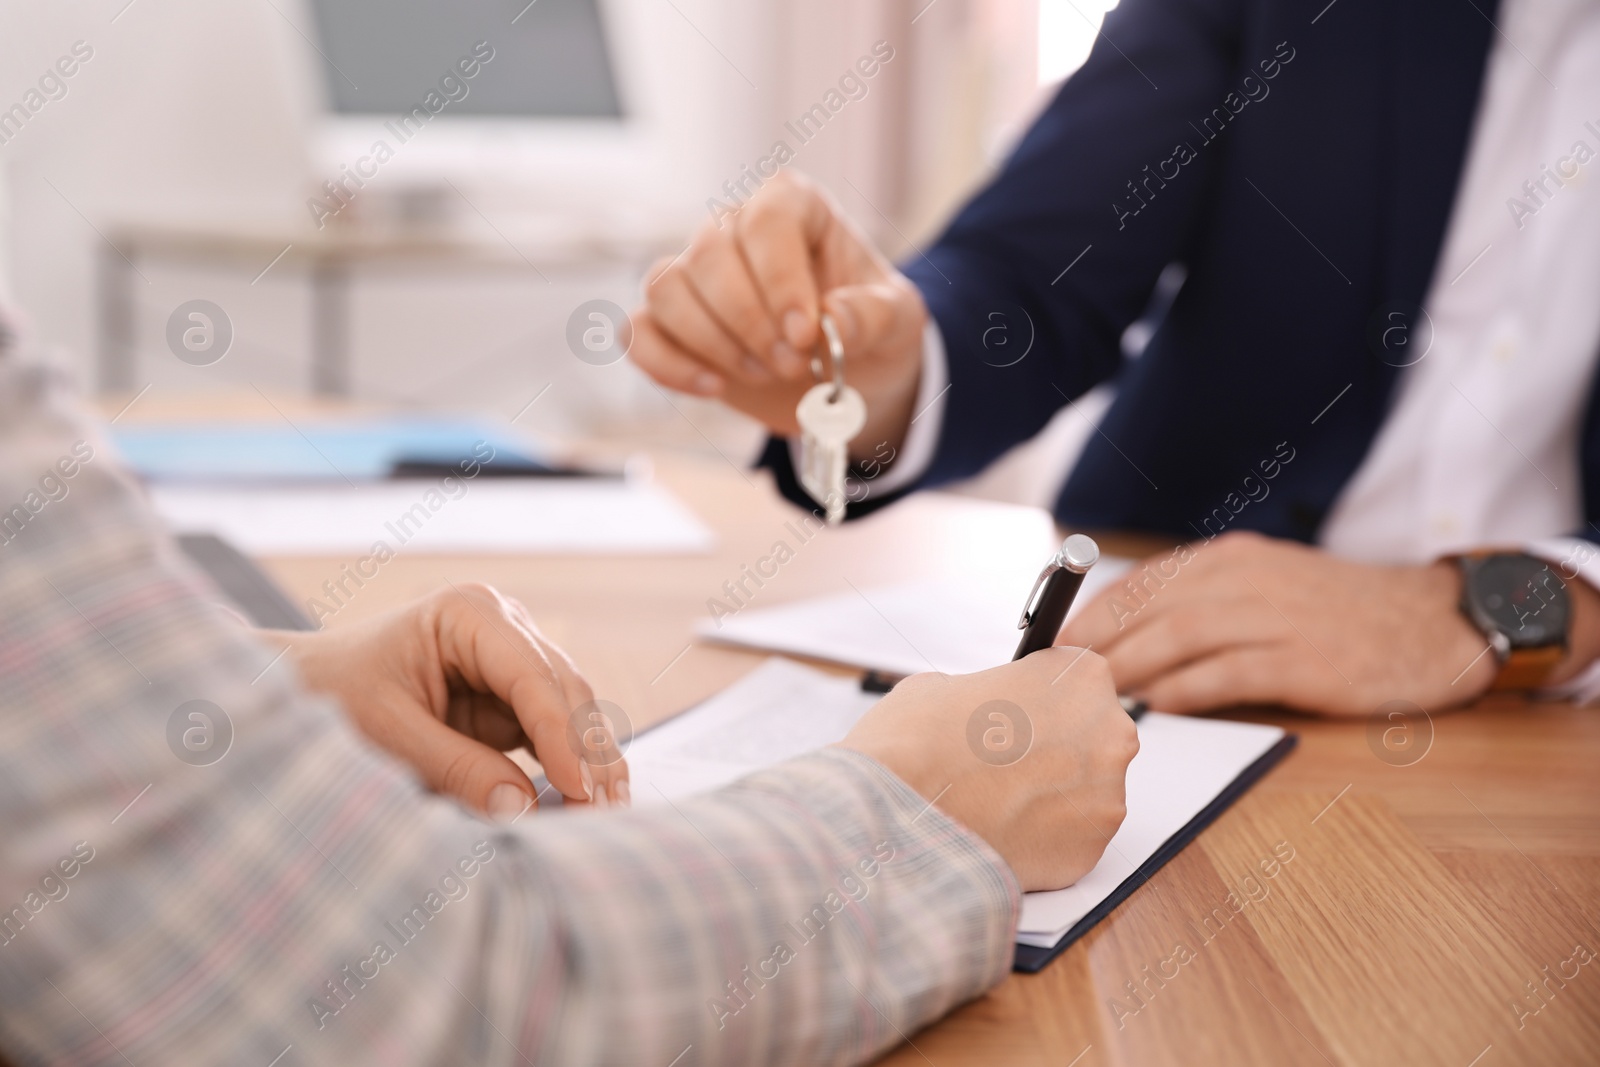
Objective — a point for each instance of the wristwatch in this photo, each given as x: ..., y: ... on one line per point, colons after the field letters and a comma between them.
x: 1521, y: 606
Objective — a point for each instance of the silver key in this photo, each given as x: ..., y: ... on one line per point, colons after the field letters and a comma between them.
x: 830, y: 415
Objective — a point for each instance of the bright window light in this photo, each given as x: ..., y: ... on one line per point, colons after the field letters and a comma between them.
x: 1067, y: 30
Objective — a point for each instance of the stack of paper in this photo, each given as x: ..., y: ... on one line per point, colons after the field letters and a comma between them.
x: 779, y: 710
x: 783, y: 709
x: 954, y: 626
x: 503, y: 516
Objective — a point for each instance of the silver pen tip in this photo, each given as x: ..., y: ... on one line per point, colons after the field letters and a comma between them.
x: 1079, y: 552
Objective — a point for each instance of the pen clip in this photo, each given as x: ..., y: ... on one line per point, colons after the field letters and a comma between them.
x: 1038, y: 584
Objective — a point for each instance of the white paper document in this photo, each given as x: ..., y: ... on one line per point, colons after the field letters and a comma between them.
x: 566, y: 516
x: 783, y: 709
x: 954, y: 626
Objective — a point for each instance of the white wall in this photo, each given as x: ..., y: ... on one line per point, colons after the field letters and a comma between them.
x: 183, y: 112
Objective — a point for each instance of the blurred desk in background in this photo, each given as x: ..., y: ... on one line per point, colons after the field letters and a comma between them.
x: 329, y: 259
x: 1434, y: 884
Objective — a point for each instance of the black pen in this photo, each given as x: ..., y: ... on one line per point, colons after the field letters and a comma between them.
x: 1048, y: 603
x: 1053, y: 593
x: 1061, y: 578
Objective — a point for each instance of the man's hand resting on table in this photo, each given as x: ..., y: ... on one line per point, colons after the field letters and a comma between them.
x: 736, y: 315
x: 453, y: 681
x: 1253, y: 620
x: 1032, y: 757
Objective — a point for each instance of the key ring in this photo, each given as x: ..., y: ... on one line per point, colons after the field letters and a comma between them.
x: 836, y: 351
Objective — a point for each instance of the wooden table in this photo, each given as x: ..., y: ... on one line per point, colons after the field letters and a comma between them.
x: 1420, y: 903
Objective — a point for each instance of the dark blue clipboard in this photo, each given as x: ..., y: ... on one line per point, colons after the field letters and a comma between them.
x: 1030, y: 959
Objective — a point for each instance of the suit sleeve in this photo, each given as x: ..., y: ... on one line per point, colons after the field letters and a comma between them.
x: 1033, y: 282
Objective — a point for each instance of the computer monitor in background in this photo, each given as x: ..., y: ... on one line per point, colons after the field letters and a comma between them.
x: 536, y: 115
x: 552, y: 62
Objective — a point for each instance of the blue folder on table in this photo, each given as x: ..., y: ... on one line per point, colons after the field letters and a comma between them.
x: 319, y: 450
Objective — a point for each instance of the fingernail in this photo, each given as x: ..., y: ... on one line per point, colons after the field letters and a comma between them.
x: 796, y: 327
x: 707, y: 384
x: 587, y: 777
x: 601, y: 801
x: 623, y: 793
x: 506, y: 802
x: 753, y: 368
x: 790, y: 365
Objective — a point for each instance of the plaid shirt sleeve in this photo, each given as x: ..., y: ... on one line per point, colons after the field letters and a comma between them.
x: 200, y: 863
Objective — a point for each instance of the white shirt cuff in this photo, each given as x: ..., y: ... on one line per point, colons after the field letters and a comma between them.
x: 922, y: 437
x: 1573, y: 559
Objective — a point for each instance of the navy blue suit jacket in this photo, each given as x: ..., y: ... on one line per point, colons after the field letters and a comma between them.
x: 1302, y: 173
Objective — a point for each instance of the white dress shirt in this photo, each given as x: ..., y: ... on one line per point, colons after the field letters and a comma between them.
x: 1481, y: 446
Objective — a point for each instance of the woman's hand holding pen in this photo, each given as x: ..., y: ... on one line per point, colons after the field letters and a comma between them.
x: 1032, y: 757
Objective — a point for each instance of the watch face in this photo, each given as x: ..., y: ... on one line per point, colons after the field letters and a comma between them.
x: 1523, y: 597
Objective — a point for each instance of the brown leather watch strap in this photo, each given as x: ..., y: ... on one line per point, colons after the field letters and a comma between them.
x: 1528, y: 668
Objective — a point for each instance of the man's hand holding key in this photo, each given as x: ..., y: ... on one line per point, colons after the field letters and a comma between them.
x: 738, y: 314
